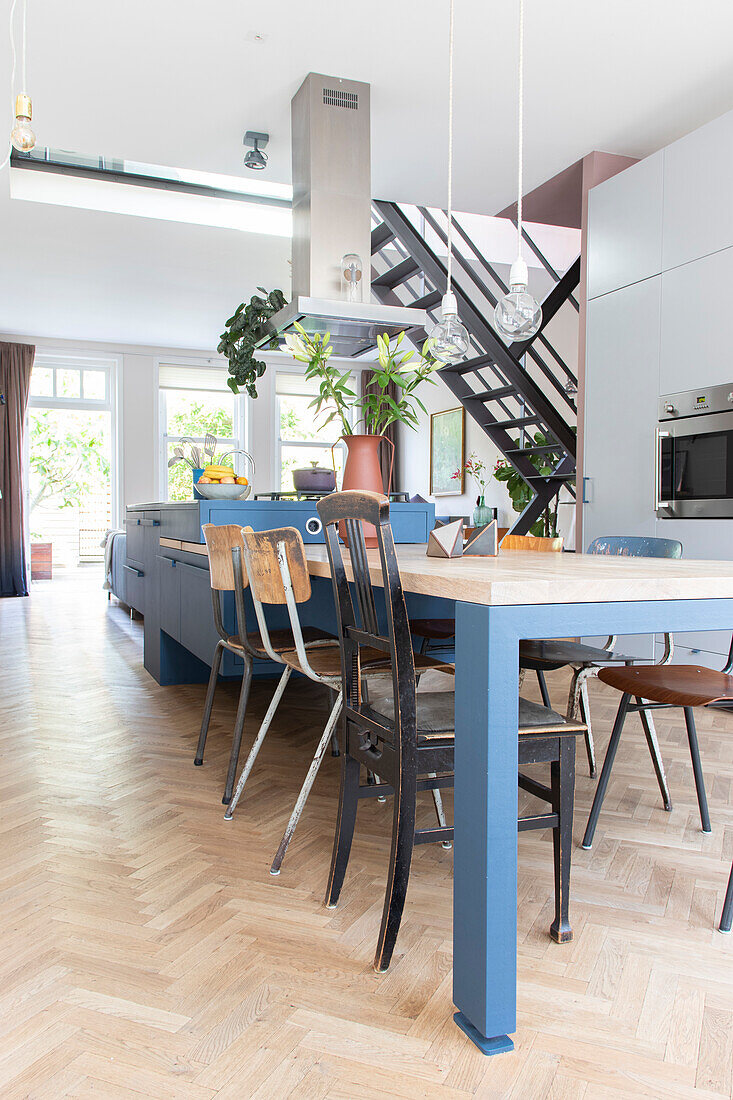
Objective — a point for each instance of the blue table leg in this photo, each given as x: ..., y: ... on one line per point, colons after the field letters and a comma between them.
x: 485, y: 886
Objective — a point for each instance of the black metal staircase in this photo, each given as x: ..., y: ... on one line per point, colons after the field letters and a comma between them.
x: 525, y: 388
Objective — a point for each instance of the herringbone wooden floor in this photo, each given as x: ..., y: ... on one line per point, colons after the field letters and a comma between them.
x: 146, y: 951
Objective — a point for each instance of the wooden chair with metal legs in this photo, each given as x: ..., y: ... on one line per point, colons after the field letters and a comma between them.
x: 586, y: 660
x: 656, y: 687
x: 278, y: 574
x: 224, y: 548
x: 407, y: 737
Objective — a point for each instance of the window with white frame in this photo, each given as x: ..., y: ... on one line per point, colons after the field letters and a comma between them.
x: 195, y: 401
x: 71, y: 454
x: 302, y: 438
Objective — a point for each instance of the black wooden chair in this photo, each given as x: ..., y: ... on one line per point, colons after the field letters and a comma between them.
x: 406, y: 738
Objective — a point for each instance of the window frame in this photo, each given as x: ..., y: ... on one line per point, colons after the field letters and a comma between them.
x: 306, y: 444
x: 70, y: 359
x: 240, y: 419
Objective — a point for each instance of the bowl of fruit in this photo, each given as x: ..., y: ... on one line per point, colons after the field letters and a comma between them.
x: 220, y: 482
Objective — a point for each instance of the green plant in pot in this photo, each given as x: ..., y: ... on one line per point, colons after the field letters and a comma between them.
x: 243, y: 331
x: 521, y: 493
x: 377, y: 409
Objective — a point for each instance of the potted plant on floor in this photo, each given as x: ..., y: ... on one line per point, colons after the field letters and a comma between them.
x: 376, y: 410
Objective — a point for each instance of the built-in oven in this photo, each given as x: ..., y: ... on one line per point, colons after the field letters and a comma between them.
x: 694, y: 454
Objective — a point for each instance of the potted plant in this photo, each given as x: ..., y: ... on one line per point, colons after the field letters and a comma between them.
x: 377, y: 409
x: 521, y: 493
x: 479, y: 472
x: 242, y: 333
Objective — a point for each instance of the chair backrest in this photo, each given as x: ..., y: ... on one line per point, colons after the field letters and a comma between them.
x: 220, y: 541
x: 636, y: 546
x: 278, y: 574
x: 536, y: 543
x: 379, y: 740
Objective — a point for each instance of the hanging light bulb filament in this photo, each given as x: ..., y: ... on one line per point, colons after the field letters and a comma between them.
x: 448, y: 340
x: 518, y: 315
x: 22, y: 137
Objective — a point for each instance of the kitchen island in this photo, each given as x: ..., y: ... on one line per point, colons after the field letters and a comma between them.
x: 167, y: 577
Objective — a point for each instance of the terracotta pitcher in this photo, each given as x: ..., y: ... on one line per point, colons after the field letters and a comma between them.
x: 363, y: 471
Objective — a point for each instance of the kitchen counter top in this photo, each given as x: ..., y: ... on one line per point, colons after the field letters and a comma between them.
x: 517, y: 577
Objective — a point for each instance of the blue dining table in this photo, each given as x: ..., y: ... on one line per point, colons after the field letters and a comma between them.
x: 498, y: 602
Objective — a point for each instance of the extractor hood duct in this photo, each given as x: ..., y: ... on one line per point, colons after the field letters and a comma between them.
x: 332, y: 202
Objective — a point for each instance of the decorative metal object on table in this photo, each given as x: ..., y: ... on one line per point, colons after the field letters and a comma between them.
x: 446, y: 541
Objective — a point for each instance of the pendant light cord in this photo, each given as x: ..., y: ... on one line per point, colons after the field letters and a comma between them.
x: 520, y: 132
x: 11, y: 20
x: 450, y: 150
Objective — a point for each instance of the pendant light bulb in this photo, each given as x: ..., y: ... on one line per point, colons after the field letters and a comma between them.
x: 518, y: 315
x: 448, y: 341
x: 22, y: 136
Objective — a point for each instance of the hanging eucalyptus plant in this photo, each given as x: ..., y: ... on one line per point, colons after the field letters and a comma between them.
x: 239, y: 340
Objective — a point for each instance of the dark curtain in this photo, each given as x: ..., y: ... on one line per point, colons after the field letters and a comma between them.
x: 385, y: 452
x: 16, y: 361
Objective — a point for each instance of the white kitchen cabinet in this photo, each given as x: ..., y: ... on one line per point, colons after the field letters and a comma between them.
x: 698, y: 212
x: 621, y: 389
x: 692, y: 353
x: 625, y: 227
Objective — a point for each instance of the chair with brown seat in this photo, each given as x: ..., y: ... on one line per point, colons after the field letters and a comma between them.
x: 224, y: 548
x: 585, y: 660
x: 278, y: 575
x: 655, y: 687
x: 407, y: 738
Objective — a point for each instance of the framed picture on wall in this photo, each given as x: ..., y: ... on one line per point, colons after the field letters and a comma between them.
x: 447, y: 442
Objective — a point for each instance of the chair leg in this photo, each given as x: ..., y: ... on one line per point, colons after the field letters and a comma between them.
x: 618, y: 725
x: 305, y: 790
x: 208, y: 704
x: 651, y: 739
x: 563, y: 797
x: 238, y: 729
x: 726, y: 917
x: 335, y: 750
x: 440, y: 813
x: 266, y: 722
x: 403, y: 840
x: 590, y: 750
x: 697, y: 769
x: 543, y: 689
x: 345, y: 822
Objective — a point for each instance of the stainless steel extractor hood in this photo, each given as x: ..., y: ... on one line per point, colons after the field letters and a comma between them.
x: 332, y: 218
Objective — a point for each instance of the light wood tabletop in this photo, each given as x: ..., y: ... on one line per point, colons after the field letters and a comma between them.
x: 518, y: 577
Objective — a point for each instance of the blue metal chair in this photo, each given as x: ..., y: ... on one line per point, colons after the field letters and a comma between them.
x: 586, y: 660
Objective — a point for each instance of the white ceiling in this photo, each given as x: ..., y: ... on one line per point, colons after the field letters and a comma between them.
x: 176, y: 82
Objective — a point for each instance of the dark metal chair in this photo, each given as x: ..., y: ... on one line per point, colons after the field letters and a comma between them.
x: 586, y: 660
x: 407, y: 738
x: 225, y: 548
x: 656, y: 687
x: 726, y: 917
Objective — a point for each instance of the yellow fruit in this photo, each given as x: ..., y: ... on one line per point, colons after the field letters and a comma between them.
x: 221, y: 471
x: 242, y: 481
x: 204, y: 480
x: 227, y: 481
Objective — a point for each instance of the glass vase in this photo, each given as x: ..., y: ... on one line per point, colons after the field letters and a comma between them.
x: 482, y: 513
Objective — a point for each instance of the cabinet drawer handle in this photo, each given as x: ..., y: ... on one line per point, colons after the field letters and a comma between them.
x: 149, y: 522
x: 132, y: 569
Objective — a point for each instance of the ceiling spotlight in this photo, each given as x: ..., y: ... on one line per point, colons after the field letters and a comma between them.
x: 255, y: 158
